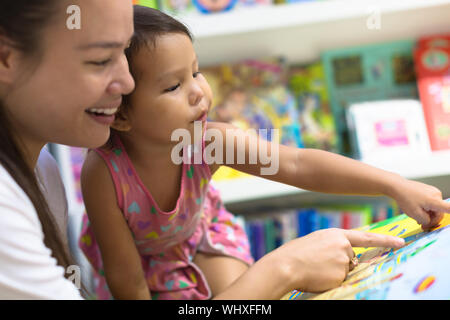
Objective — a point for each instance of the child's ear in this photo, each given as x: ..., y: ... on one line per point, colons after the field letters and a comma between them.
x: 121, y: 123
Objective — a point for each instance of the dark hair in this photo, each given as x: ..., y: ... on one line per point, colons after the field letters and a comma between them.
x: 149, y: 24
x: 21, y: 23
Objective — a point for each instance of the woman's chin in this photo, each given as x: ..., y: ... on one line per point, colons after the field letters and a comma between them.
x: 92, y: 140
x: 98, y: 139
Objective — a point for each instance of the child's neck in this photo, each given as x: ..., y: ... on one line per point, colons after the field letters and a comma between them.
x: 148, y: 155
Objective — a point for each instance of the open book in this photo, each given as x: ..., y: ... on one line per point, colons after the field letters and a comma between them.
x: 419, y: 270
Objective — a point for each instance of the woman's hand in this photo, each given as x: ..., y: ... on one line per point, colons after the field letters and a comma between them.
x: 420, y: 201
x: 321, y: 260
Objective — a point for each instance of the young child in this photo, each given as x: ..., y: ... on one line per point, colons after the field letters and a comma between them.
x: 157, y: 228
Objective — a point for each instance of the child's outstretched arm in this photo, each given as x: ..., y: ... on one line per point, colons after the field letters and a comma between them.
x: 121, y: 261
x: 327, y: 172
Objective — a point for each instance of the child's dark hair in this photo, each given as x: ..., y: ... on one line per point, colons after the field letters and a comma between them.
x: 149, y: 24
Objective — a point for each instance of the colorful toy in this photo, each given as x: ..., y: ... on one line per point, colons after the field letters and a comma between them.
x: 209, y: 6
x: 177, y: 6
x: 317, y: 123
x: 374, y: 72
x: 252, y: 95
x: 432, y: 64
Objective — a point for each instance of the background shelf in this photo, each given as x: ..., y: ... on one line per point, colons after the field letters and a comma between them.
x: 301, y: 31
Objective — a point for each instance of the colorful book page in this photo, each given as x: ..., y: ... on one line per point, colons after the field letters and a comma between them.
x: 419, y: 270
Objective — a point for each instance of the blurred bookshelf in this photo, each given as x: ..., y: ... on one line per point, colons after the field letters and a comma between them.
x: 301, y: 31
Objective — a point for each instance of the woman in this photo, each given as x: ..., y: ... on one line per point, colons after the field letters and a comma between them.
x: 51, y: 77
x: 62, y: 82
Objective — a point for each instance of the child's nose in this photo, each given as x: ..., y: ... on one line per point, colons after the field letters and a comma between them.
x: 196, y: 95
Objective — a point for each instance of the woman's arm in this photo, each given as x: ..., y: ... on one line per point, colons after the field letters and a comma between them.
x: 121, y: 260
x: 314, y: 263
x: 27, y: 268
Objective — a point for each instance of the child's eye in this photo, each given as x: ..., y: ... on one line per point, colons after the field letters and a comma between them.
x: 172, y: 88
x: 196, y: 74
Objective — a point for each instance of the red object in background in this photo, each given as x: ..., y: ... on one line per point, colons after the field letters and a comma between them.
x: 435, y: 41
x: 432, y: 63
x: 346, y: 220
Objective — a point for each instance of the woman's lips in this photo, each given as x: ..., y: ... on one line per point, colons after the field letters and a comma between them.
x: 103, y: 119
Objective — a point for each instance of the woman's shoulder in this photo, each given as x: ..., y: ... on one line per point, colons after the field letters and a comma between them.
x: 15, y: 205
x: 11, y: 193
x: 22, y: 248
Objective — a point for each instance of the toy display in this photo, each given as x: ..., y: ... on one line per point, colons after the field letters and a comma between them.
x: 386, y: 129
x: 252, y: 95
x: 360, y: 74
x: 308, y: 84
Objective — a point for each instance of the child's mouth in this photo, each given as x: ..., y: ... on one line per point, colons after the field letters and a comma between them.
x: 202, y: 117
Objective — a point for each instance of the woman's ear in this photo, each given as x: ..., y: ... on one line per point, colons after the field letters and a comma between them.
x: 121, y: 123
x: 8, y: 55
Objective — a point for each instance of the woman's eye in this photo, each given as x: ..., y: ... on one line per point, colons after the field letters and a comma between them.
x: 100, y: 63
x: 172, y: 88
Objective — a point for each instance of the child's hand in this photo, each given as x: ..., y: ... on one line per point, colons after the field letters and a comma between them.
x: 321, y: 260
x: 421, y: 202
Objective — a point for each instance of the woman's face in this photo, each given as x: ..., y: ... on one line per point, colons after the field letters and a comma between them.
x: 79, y: 70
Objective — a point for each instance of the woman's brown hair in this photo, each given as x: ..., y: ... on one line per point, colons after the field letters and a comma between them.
x: 21, y: 23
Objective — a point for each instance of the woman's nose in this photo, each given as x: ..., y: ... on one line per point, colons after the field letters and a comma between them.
x: 123, y: 83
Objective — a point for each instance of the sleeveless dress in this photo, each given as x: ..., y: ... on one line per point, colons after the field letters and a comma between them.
x: 168, y: 241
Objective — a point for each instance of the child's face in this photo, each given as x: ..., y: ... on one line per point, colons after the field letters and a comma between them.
x: 170, y: 93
